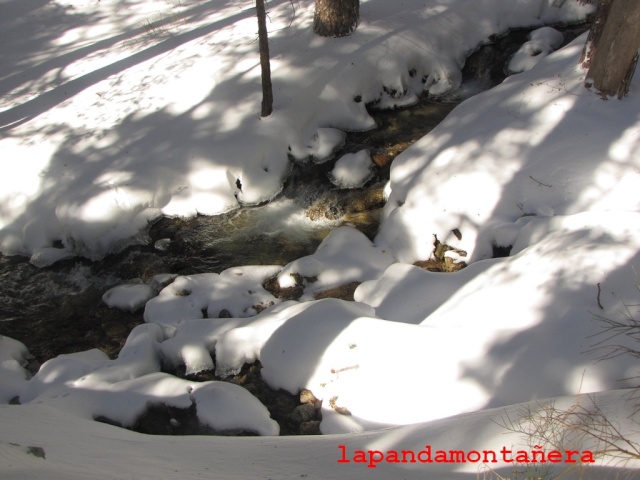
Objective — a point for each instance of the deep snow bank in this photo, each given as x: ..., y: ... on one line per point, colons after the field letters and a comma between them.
x: 539, y: 145
x: 31, y: 447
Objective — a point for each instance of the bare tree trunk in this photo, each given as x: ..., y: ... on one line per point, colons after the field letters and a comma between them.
x: 613, y: 54
x: 265, y: 63
x: 602, y: 13
x: 336, y: 18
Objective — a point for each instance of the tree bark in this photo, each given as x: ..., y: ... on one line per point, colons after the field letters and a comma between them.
x: 265, y: 62
x: 595, y: 32
x: 615, y: 53
x: 336, y: 18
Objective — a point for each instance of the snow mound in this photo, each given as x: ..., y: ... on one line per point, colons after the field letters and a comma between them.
x: 345, y: 256
x: 92, y: 386
x: 352, y: 170
x: 236, y: 292
x: 321, y: 146
x: 503, y: 155
x: 133, y: 296
x: 129, y: 297
x: 541, y: 43
x: 14, y: 357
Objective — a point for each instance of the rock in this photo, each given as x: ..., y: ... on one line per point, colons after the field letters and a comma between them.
x: 162, y: 244
x: 290, y: 293
x: 36, y: 452
x: 307, y: 396
x: 304, y: 413
x: 310, y: 428
x: 381, y: 159
x: 364, y: 200
x: 325, y: 207
x: 115, y: 330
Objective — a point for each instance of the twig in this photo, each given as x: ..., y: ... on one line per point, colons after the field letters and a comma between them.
x: 294, y: 13
x: 539, y: 182
x: 599, y: 304
x: 338, y: 370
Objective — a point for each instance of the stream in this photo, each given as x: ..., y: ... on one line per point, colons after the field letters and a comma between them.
x: 58, y: 309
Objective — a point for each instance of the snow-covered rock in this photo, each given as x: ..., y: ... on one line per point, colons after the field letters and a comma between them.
x: 541, y: 43
x: 352, y: 170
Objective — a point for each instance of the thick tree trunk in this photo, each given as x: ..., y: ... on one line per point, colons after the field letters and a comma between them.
x: 336, y: 18
x: 595, y: 32
x: 614, y: 54
x: 265, y: 63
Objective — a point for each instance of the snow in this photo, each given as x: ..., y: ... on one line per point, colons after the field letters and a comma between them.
x: 541, y: 43
x: 91, y: 386
x: 135, y: 295
x: 123, y: 112
x: 321, y: 146
x: 14, y: 357
x: 129, y: 297
x: 346, y: 255
x: 239, y: 291
x: 511, y: 160
x: 86, y: 443
x: 352, y: 170
x: 133, y: 117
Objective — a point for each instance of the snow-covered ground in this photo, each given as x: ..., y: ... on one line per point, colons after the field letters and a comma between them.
x: 125, y: 110
x: 116, y: 111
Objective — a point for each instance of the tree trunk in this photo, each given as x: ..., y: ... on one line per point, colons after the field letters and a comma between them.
x: 595, y: 32
x: 265, y: 63
x: 336, y: 18
x: 613, y: 56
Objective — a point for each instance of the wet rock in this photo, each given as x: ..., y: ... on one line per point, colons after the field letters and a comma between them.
x: 76, y: 304
x: 162, y: 244
x: 135, y: 263
x: 364, y: 200
x: 358, y: 207
x: 366, y: 222
x: 115, y: 330
x: 383, y: 157
x: 325, y: 208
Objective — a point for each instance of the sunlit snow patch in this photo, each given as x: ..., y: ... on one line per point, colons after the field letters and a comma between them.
x: 129, y: 297
x: 236, y: 292
x: 352, y: 170
x: 345, y: 256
